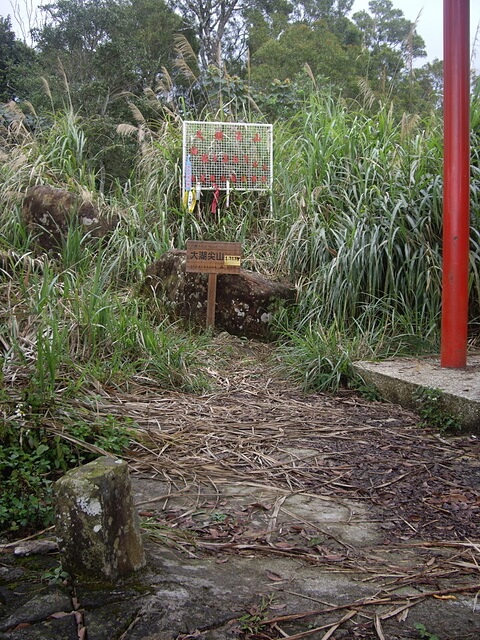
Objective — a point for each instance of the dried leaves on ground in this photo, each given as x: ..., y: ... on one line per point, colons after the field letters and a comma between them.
x: 259, y: 428
x: 227, y: 463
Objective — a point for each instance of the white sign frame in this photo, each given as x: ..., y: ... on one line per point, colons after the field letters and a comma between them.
x: 227, y: 156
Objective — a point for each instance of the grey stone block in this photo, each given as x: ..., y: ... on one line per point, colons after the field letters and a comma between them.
x: 96, y: 522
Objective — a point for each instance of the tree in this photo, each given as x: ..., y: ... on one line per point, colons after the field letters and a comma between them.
x: 266, y: 20
x: 15, y: 57
x: 98, y: 57
x: 313, y: 10
x: 228, y: 30
x: 149, y: 34
x: 428, y: 86
x: 217, y: 25
x: 390, y: 46
x: 107, y: 47
x: 7, y: 59
x: 387, y: 28
x: 328, y: 59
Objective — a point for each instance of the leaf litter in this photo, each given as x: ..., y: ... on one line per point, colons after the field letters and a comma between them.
x: 227, y: 461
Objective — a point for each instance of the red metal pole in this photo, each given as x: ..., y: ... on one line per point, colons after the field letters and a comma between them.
x: 456, y: 182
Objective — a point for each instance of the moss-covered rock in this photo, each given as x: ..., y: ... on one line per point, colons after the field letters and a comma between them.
x: 245, y: 302
x: 96, y: 522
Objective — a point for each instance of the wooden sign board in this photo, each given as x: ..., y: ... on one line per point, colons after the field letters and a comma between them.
x: 213, y: 257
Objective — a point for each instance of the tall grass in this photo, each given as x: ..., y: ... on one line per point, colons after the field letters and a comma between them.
x: 76, y: 320
x: 355, y: 223
x: 365, y: 218
x: 361, y: 199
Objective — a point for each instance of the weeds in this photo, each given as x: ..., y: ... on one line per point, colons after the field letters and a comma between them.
x: 423, y: 632
x: 55, y: 575
x: 34, y: 454
x: 351, y: 239
x: 253, y: 621
x: 317, y: 359
x: 433, y: 412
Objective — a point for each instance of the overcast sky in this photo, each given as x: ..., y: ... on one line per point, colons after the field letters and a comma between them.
x: 429, y: 14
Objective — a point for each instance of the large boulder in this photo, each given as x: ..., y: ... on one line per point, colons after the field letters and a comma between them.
x: 245, y: 302
x: 48, y: 213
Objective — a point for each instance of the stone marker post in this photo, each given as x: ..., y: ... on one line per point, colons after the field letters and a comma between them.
x: 96, y: 522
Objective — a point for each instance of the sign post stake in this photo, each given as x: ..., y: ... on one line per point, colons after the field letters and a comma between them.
x: 213, y: 258
x: 211, y: 299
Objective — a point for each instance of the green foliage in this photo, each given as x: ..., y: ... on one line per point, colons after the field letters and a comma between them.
x: 26, y: 489
x: 330, y: 61
x: 319, y: 359
x: 354, y: 243
x: 55, y: 575
x: 360, y: 202
x: 33, y: 456
x: 433, y: 412
x: 386, y: 30
x: 99, y: 58
x: 66, y: 328
x: 219, y: 517
x: 105, y: 48
x: 7, y: 56
x: 93, y: 58
x: 253, y: 621
x: 61, y: 152
x: 15, y: 57
x: 355, y: 223
x: 424, y: 633
x: 265, y: 21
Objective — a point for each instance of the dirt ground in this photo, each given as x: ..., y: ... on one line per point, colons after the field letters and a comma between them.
x: 269, y: 514
x: 345, y: 486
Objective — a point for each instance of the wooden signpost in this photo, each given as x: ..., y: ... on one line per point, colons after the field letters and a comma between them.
x: 213, y: 258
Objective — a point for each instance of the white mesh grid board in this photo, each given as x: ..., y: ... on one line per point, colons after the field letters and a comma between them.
x: 226, y: 155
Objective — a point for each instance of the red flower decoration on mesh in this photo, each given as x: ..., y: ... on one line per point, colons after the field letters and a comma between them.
x: 200, y: 135
x: 238, y: 136
x: 255, y: 164
x: 218, y: 135
x: 225, y: 158
x: 235, y: 159
x: 194, y: 151
x: 204, y: 157
x: 257, y: 138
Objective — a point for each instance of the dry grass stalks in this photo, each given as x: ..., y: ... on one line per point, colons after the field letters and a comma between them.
x: 258, y: 434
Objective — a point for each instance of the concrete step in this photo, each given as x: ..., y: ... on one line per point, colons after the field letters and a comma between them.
x: 422, y: 385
